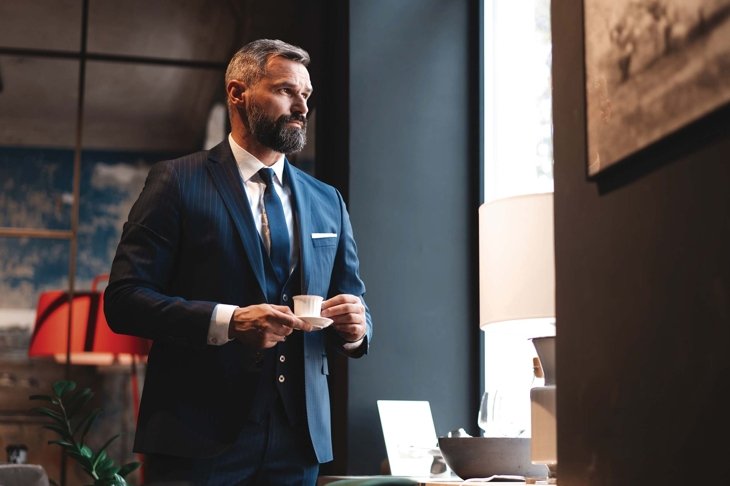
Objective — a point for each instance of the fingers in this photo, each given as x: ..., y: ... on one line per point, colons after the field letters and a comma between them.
x: 281, y: 322
x: 344, y: 308
x: 348, y: 313
x: 265, y: 325
x: 286, y: 317
x: 350, y: 332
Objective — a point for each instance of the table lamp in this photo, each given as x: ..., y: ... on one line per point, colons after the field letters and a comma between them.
x: 516, y: 259
x: 517, y: 283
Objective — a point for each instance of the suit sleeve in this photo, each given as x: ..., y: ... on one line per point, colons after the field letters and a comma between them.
x: 346, y: 279
x: 136, y: 300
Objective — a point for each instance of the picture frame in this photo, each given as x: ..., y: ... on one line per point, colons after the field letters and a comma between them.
x: 652, y: 67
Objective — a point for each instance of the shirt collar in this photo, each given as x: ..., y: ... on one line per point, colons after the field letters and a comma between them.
x: 249, y: 165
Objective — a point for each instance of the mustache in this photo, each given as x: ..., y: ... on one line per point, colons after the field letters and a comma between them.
x: 294, y: 117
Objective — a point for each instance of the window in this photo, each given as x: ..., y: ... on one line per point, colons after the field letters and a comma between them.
x: 79, y: 128
x: 68, y: 186
x: 518, y: 159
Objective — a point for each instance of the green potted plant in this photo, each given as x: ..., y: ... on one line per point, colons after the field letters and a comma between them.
x: 71, y: 421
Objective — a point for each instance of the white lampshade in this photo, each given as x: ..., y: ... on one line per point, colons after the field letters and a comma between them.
x: 516, y: 259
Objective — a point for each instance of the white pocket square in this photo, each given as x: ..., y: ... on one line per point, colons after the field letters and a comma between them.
x: 316, y: 236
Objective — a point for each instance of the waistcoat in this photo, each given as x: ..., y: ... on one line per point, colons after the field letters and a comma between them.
x: 282, y: 367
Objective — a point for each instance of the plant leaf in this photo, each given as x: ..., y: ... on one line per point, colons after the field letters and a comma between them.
x: 78, y: 401
x: 63, y: 443
x: 97, y: 459
x: 47, y: 398
x: 58, y: 429
x: 101, y: 455
x: 98, y: 462
x: 63, y: 386
x: 50, y: 413
x: 85, y: 423
x: 107, y: 468
x: 108, y: 463
x: 106, y: 444
x: 83, y: 461
x: 128, y: 468
x: 115, y: 480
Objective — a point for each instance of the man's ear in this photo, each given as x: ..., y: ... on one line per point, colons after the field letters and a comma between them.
x: 235, y: 90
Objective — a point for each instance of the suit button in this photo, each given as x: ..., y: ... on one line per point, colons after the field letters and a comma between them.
x: 285, y: 298
x: 281, y: 378
x: 282, y: 358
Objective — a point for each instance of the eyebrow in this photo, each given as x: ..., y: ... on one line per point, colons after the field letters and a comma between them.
x: 288, y: 84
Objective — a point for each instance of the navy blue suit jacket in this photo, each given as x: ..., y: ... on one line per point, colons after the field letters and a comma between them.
x: 190, y: 243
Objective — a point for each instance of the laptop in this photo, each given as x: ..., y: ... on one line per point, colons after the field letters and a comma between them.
x: 410, y: 436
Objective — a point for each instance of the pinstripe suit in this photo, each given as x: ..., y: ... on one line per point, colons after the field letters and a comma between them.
x: 190, y: 243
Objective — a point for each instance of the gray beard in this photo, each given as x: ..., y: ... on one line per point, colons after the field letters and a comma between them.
x: 274, y: 134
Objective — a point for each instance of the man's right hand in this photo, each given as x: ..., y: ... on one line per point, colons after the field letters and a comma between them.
x: 264, y: 325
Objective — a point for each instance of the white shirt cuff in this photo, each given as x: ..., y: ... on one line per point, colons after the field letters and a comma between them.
x: 353, y: 346
x: 219, y: 321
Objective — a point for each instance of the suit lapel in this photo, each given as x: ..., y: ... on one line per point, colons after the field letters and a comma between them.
x: 302, y: 204
x: 227, y: 179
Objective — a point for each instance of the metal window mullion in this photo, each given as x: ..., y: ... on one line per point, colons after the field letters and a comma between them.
x: 73, y: 250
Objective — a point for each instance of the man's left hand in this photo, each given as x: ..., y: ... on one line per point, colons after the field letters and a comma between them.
x: 348, y: 314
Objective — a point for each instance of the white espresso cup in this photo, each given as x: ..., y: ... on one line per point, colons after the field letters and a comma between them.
x: 307, y: 305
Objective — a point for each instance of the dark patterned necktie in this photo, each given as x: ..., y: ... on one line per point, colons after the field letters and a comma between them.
x: 274, y: 227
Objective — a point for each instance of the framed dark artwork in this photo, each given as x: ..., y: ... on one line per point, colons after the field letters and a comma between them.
x: 652, y: 67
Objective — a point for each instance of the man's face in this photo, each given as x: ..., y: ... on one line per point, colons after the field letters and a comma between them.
x: 276, y: 107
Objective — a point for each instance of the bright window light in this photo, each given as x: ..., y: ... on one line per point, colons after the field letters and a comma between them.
x: 517, y: 98
x: 518, y: 160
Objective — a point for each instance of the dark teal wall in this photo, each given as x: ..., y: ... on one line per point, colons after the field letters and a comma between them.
x: 413, y: 198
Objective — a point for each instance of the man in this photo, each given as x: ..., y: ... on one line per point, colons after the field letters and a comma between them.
x: 209, y: 259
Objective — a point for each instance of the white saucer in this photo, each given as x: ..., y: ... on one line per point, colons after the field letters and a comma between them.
x: 317, y: 322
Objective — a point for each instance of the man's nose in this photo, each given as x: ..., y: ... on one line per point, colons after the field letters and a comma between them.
x: 300, y: 105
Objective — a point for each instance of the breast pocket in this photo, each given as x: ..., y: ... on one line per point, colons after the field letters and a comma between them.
x: 329, y: 241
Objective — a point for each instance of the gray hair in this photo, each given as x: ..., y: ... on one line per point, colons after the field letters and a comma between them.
x: 248, y: 65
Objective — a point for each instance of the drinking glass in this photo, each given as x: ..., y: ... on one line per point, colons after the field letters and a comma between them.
x: 482, y: 418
